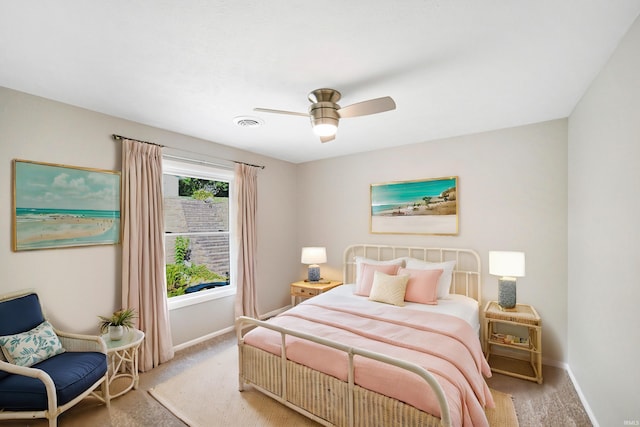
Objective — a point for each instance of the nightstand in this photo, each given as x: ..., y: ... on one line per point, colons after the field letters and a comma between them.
x: 303, y: 289
x: 513, y: 341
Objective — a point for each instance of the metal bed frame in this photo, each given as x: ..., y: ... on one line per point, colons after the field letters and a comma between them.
x: 276, y: 376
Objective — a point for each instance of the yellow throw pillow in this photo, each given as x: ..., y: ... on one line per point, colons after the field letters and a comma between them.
x: 388, y: 289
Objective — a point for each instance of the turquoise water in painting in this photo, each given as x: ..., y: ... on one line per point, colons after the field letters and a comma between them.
x: 46, y: 228
x: 387, y: 197
x: 25, y: 212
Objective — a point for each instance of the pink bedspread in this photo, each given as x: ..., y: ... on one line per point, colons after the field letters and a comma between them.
x: 444, y: 345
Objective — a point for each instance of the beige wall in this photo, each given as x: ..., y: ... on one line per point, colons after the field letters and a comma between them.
x: 78, y: 284
x: 512, y: 195
x: 604, y: 231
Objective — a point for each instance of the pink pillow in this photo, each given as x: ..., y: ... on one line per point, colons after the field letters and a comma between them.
x: 422, y: 286
x: 365, y: 276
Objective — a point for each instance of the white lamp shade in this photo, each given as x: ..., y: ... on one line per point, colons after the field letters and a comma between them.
x: 506, y: 264
x: 313, y: 255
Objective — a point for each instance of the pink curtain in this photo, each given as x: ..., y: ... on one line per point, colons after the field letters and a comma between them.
x: 143, y: 276
x: 246, y: 188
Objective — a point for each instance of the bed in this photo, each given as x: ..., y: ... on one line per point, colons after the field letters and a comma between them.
x: 341, y: 359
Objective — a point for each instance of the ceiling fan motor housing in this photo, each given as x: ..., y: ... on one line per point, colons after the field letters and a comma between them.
x: 324, y: 114
x: 324, y: 95
x: 324, y: 111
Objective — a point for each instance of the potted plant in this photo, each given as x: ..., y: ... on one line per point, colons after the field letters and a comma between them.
x: 117, y: 322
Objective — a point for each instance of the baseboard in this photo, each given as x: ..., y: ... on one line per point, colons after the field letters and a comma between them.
x: 582, y: 397
x: 203, y: 338
x: 555, y: 363
x: 274, y: 312
x: 225, y: 330
x: 583, y: 400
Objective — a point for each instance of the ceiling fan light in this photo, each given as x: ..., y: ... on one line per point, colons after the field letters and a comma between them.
x: 324, y: 121
x: 325, y: 129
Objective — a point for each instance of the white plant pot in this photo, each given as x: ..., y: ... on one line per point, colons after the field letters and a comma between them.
x: 116, y: 332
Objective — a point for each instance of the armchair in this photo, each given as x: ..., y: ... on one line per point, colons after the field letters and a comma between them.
x: 43, y: 371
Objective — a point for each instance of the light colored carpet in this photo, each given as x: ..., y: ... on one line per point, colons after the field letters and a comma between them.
x: 553, y: 403
x: 207, y: 394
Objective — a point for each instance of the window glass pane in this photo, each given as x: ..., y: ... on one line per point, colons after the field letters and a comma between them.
x: 196, y: 230
x: 195, y: 205
x: 196, y: 262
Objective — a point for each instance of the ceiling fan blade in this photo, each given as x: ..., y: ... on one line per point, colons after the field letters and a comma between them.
x: 291, y: 113
x: 327, y: 138
x: 372, y: 106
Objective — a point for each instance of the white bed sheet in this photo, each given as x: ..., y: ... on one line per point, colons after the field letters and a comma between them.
x: 460, y: 306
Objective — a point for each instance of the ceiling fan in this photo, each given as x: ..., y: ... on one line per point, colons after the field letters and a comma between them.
x: 325, y: 113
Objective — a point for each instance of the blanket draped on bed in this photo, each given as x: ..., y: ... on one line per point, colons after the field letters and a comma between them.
x: 444, y: 345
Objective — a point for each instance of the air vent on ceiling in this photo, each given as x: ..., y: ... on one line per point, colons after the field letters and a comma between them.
x: 248, y: 122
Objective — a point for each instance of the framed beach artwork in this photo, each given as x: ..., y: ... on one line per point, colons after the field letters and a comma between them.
x: 57, y: 206
x: 426, y: 206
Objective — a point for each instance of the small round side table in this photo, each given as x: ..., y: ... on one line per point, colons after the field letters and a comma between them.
x: 123, y: 361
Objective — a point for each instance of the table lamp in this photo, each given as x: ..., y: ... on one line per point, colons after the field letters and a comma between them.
x: 313, y: 256
x: 507, y: 265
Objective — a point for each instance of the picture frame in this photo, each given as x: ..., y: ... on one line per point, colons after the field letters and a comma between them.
x: 60, y: 206
x: 424, y: 206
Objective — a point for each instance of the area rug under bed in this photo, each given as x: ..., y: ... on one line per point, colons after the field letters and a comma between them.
x: 207, y: 395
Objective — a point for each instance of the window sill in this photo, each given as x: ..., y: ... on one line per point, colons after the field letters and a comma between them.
x: 181, y: 301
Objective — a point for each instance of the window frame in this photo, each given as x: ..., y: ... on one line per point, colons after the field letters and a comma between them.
x: 203, y: 170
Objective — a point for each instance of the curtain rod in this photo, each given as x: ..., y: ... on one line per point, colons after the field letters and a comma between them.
x: 120, y: 137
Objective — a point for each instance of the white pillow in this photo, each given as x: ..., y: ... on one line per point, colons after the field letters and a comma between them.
x: 363, y: 260
x: 388, y: 289
x: 29, y: 348
x: 444, y: 282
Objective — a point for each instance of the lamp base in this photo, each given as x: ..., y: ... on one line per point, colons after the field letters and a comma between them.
x: 314, y: 273
x: 507, y: 294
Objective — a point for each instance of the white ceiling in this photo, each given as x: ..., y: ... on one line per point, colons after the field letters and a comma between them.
x: 453, y: 67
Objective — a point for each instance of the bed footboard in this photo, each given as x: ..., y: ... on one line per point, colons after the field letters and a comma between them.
x: 326, y: 399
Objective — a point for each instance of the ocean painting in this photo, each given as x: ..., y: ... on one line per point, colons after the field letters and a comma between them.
x: 60, y: 206
x: 428, y: 206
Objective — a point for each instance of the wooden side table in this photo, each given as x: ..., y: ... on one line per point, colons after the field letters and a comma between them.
x: 498, y: 325
x: 123, y: 362
x: 303, y: 289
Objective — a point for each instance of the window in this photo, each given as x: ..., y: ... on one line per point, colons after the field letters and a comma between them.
x: 197, y: 232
